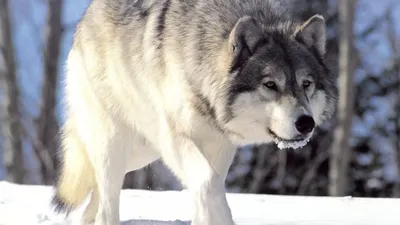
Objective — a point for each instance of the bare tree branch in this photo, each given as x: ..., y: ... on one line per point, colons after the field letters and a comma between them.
x: 13, y: 158
x: 261, y: 169
x: 314, y: 165
x: 282, y: 156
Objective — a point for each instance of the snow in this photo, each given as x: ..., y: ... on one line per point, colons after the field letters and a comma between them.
x: 293, y: 145
x: 24, y: 204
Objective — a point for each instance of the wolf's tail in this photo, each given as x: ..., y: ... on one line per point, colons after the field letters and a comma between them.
x: 75, y: 177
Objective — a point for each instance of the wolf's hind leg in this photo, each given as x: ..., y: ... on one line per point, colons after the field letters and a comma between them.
x: 108, y: 144
x: 90, y: 212
x: 123, y: 153
x: 109, y: 166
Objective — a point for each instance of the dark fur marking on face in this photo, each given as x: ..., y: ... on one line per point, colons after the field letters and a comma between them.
x: 291, y: 77
x: 286, y: 56
x: 161, y: 21
x: 244, y: 80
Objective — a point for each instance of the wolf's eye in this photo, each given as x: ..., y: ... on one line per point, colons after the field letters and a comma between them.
x: 271, y: 85
x: 306, y: 84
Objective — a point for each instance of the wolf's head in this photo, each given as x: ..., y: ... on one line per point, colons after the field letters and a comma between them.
x: 279, y: 87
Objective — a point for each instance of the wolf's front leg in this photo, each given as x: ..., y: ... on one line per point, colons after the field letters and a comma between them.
x: 202, y: 168
x: 211, y: 206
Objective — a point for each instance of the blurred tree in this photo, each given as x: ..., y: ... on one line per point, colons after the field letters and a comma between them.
x: 340, y: 149
x: 394, y: 42
x: 12, y: 127
x: 46, y: 143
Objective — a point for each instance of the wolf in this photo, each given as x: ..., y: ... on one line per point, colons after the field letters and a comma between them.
x: 187, y: 82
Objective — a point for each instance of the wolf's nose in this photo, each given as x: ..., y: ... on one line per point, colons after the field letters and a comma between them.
x: 305, y: 124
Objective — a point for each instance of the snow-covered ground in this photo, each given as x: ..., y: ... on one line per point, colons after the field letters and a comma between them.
x: 29, y: 205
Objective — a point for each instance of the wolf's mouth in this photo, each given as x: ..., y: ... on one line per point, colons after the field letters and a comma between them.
x: 288, y: 143
x: 275, y: 136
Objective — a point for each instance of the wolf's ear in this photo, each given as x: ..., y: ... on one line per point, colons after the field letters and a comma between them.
x: 313, y: 33
x: 243, y: 40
